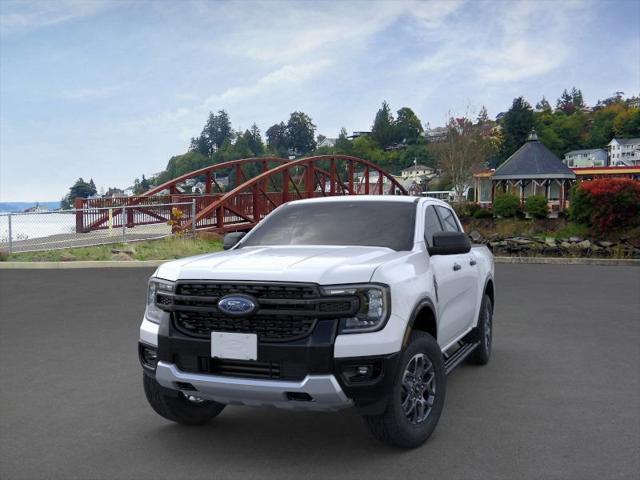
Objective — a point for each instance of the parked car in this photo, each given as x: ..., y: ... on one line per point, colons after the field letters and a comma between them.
x: 357, y: 301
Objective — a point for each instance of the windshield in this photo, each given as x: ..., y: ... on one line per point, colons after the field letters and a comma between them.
x: 375, y: 224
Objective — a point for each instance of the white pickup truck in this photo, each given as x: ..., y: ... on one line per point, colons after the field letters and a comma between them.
x: 352, y: 301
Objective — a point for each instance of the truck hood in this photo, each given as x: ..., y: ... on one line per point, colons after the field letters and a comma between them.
x: 317, y: 264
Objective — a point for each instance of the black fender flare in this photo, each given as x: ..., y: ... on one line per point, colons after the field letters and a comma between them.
x: 424, y: 302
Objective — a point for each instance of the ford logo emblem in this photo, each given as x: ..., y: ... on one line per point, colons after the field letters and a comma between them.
x: 236, y: 305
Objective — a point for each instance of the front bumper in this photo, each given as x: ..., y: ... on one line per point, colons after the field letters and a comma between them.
x: 301, y: 374
x: 314, y: 392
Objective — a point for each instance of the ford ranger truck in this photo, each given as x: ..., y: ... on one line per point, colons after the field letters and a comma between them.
x: 328, y: 303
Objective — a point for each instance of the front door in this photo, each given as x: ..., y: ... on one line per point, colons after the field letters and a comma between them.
x: 454, y: 277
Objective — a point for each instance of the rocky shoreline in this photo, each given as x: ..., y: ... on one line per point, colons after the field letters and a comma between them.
x: 535, y: 246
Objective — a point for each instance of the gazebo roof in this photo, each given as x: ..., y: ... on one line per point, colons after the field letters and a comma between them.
x: 533, y: 160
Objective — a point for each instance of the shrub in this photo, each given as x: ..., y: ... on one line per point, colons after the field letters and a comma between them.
x: 483, y: 213
x: 506, y: 205
x: 466, y: 209
x: 607, y: 204
x: 536, y: 206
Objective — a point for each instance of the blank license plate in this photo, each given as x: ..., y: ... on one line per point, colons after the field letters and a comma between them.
x: 235, y: 346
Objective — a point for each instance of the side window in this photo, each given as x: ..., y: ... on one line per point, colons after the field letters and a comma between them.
x: 448, y: 220
x: 431, y: 225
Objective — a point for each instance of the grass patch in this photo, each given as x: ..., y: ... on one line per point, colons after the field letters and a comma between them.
x: 163, y: 249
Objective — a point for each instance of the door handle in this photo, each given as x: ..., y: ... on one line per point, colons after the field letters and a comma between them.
x: 456, y: 267
x: 472, y: 262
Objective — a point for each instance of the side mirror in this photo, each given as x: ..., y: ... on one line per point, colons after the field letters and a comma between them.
x: 231, y: 239
x: 449, y: 243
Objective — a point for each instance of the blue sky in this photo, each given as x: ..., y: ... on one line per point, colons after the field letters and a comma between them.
x: 111, y: 90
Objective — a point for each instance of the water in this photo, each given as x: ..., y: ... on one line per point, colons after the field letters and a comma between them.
x: 29, y: 226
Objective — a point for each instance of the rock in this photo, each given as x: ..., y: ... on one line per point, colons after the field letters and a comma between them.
x: 67, y: 257
x: 522, y: 241
x: 575, y: 239
x: 566, y: 245
x: 475, y: 236
x: 605, y: 244
x: 584, y: 244
x: 550, y: 241
x: 123, y: 257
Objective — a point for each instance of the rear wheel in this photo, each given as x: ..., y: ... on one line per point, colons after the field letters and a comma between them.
x: 417, y: 398
x: 184, y: 409
x: 484, y: 333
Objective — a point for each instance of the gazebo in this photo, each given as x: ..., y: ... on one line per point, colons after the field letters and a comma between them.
x: 532, y: 170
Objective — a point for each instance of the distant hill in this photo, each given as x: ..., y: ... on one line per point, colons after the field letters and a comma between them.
x: 13, y: 207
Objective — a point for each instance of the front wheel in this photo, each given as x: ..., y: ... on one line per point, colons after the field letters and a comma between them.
x: 417, y: 398
x: 187, y: 410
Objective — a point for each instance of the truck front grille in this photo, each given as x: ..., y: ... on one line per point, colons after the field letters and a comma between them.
x: 273, y: 328
x: 286, y: 311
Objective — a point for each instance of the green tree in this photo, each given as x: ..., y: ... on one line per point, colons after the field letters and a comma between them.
x: 544, y: 106
x: 367, y: 148
x: 483, y: 116
x: 627, y: 124
x: 517, y: 123
x: 343, y: 144
x: 408, y: 126
x: 253, y: 138
x: 565, y: 103
x: 301, y: 133
x: 383, y: 130
x: 277, y: 139
x: 577, y: 99
x: 216, y: 131
x: 80, y: 189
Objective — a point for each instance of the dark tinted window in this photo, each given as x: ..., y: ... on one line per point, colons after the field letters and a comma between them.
x: 377, y: 224
x: 448, y: 220
x: 431, y: 225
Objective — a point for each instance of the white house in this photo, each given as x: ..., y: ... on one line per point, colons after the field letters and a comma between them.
x: 594, y: 157
x: 419, y: 173
x: 327, y: 142
x: 624, y: 152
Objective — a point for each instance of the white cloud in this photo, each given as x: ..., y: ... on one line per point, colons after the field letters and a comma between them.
x: 285, y: 77
x: 21, y: 16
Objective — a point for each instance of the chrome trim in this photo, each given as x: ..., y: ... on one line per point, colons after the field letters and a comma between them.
x: 324, y: 390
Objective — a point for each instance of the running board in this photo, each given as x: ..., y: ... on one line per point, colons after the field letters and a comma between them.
x: 455, y: 359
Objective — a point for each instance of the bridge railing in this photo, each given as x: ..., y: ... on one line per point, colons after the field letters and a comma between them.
x: 103, y: 213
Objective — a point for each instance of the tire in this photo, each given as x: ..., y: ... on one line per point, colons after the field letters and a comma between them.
x: 484, y: 333
x: 410, y: 430
x: 179, y: 408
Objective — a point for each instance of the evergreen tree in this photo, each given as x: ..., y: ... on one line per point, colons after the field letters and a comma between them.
x: 382, y: 130
x: 483, y: 116
x: 253, y: 139
x: 576, y: 99
x: 343, y: 144
x: 517, y: 123
x: 543, y: 106
x: 216, y: 131
x: 565, y: 103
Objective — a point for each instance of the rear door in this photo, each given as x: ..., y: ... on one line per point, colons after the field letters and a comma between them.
x: 454, y: 277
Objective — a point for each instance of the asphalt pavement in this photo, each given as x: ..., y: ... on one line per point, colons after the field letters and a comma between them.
x: 560, y: 397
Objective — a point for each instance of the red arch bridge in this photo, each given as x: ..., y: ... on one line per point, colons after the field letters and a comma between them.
x: 252, y: 188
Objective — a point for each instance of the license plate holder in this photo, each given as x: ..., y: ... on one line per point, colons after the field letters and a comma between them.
x: 234, y: 346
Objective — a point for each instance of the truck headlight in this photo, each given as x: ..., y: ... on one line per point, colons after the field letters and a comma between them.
x: 154, y: 313
x: 374, y: 307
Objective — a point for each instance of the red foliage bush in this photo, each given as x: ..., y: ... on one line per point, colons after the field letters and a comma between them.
x: 607, y: 204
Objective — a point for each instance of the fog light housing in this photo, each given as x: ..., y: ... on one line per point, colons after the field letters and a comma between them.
x: 148, y: 356
x: 361, y: 372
